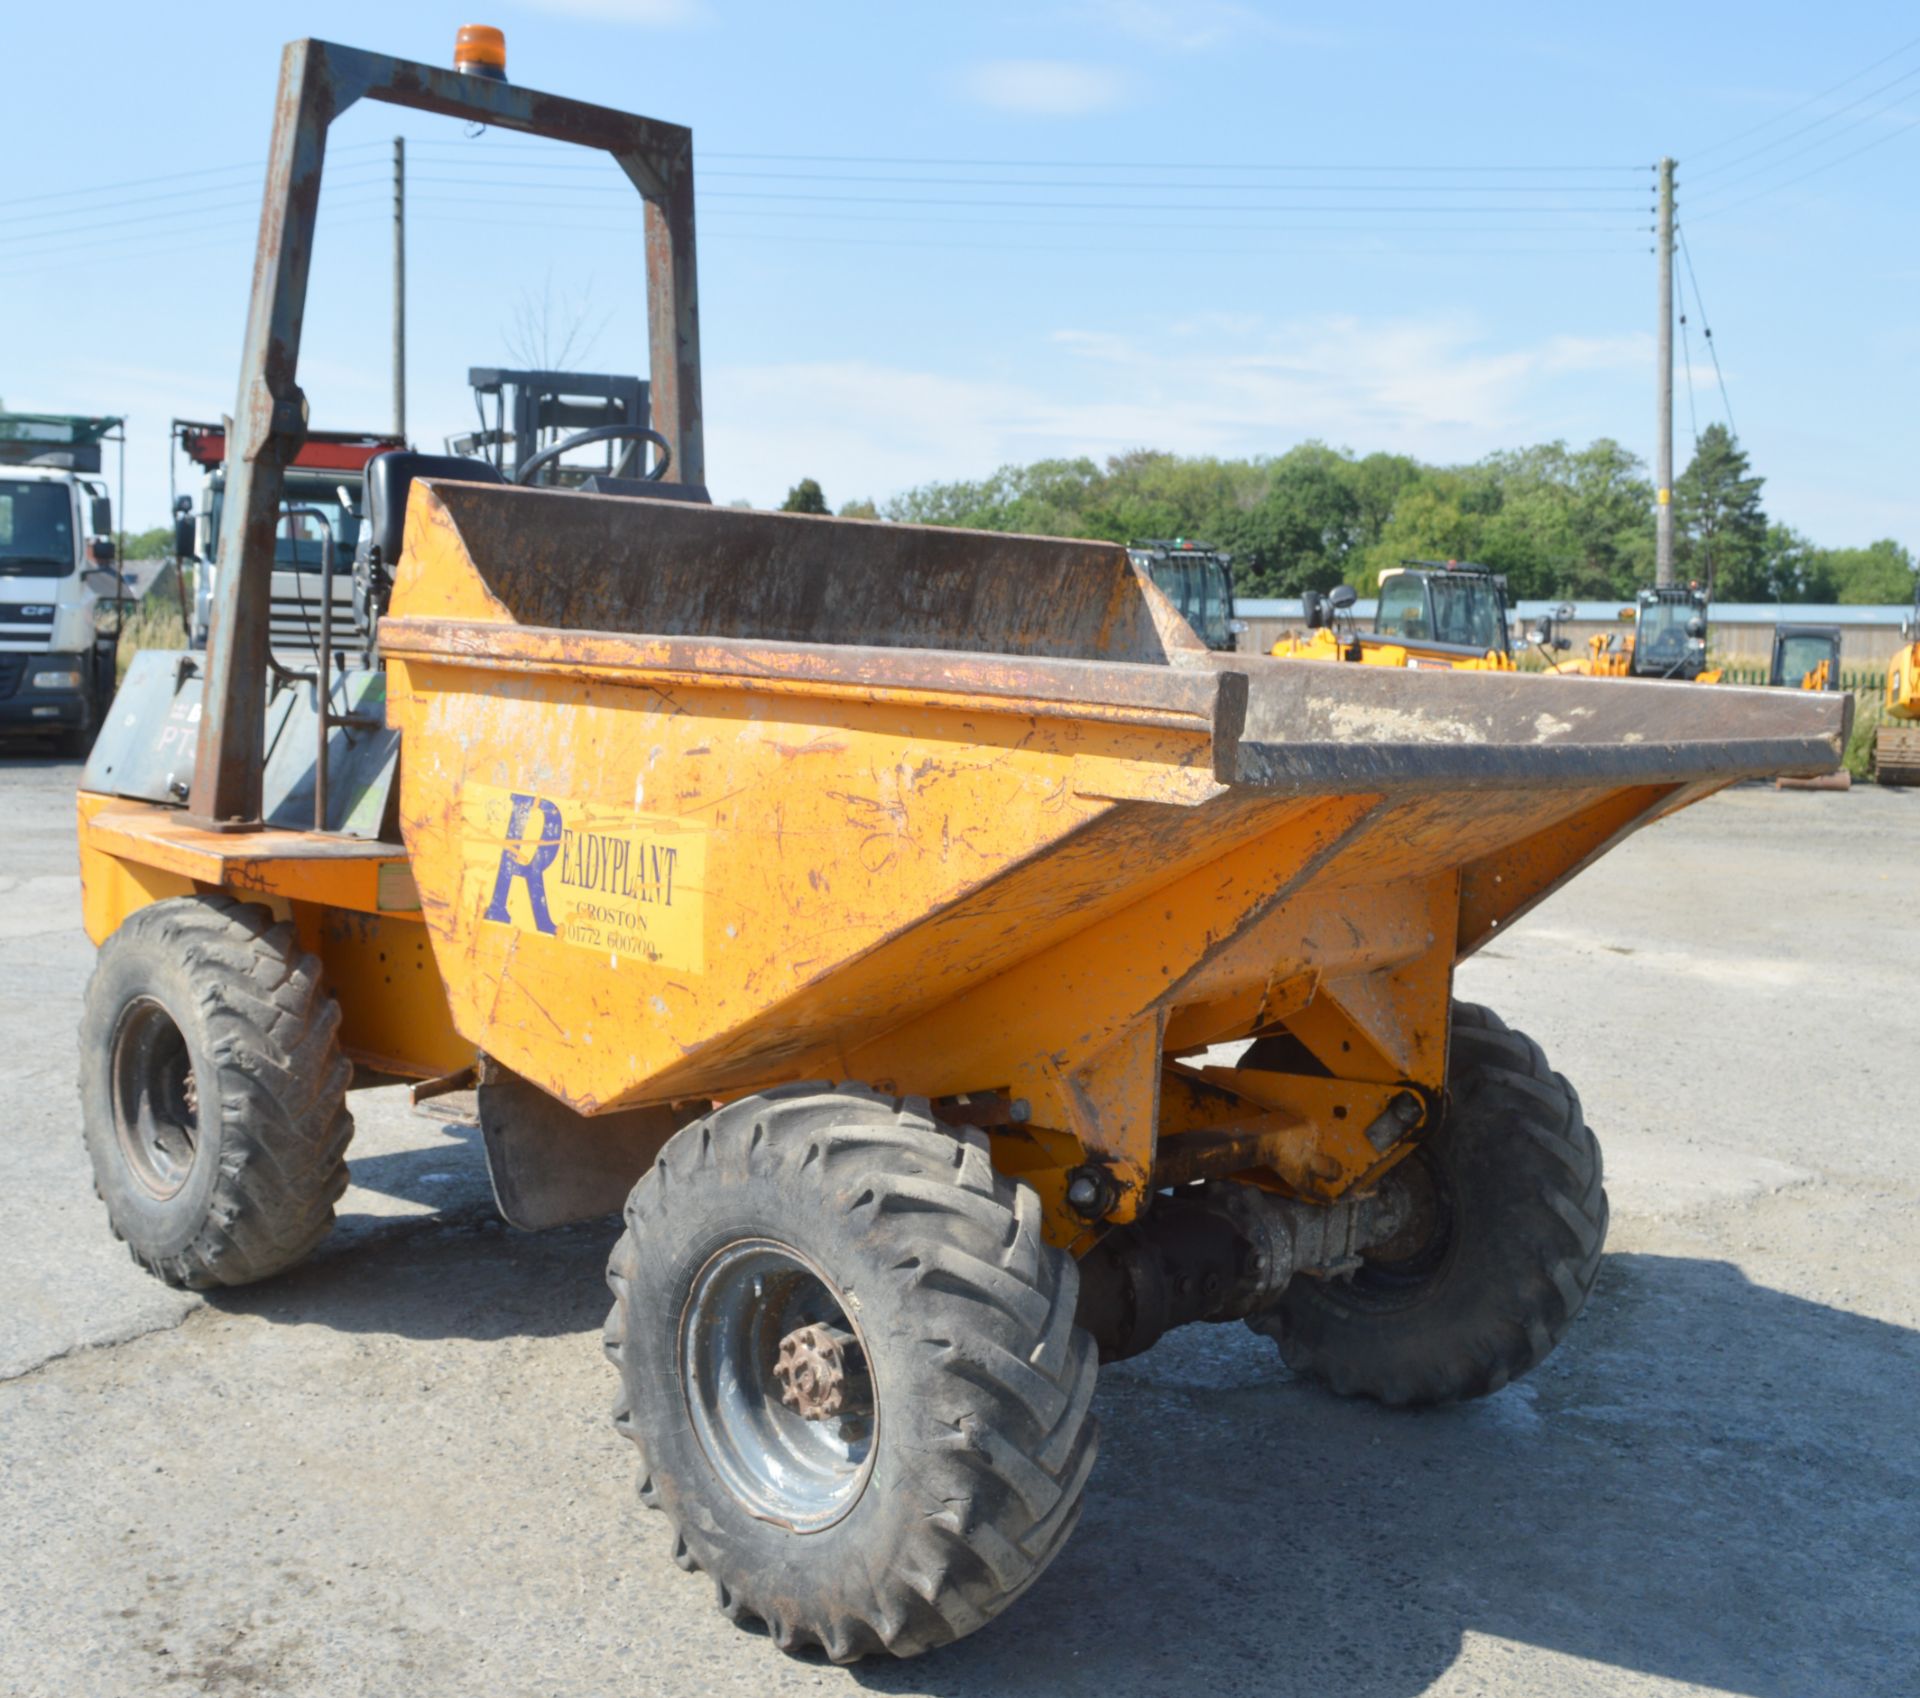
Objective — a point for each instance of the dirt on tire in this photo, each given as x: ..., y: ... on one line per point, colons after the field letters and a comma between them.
x: 984, y: 1435
x: 266, y: 1081
x: 1515, y: 1218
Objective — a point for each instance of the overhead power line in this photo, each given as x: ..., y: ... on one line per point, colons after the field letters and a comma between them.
x: 1117, y: 217
x: 1781, y: 141
x: 492, y: 146
x: 536, y: 191
x: 1772, y: 165
x: 1288, y: 250
x: 1686, y: 357
x: 121, y: 221
x: 1712, y: 211
x: 54, y: 223
x: 12, y: 251
x: 786, y: 238
x: 167, y: 177
x: 1793, y: 111
x: 48, y: 260
x: 1706, y: 331
x: 614, y: 181
x: 137, y: 200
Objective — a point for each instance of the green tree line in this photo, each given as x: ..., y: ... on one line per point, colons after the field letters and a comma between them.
x: 1559, y: 521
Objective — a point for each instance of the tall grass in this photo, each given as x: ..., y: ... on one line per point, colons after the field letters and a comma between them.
x: 1868, y: 711
x: 154, y: 624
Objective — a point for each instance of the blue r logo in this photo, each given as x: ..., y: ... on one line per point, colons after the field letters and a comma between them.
x: 533, y: 869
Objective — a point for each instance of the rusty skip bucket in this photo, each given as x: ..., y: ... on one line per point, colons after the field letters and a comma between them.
x: 701, y: 800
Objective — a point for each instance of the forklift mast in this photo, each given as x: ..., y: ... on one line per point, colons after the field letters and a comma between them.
x: 533, y: 409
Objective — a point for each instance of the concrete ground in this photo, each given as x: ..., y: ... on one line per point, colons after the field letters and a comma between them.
x: 391, y: 1472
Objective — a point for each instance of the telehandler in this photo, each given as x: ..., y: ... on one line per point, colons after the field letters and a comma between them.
x: 854, y: 905
x: 1668, y: 639
x: 1805, y: 657
x: 1431, y: 615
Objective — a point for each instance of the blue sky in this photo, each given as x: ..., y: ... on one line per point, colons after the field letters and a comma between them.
x: 1208, y: 227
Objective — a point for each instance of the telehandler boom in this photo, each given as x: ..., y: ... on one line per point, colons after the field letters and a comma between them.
x: 854, y: 906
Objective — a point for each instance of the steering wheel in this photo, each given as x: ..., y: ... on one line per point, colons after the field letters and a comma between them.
x: 603, y: 433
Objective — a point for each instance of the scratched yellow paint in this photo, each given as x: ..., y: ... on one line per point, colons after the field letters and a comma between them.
x: 610, y: 880
x: 933, y: 889
x: 670, y: 867
x: 816, y: 838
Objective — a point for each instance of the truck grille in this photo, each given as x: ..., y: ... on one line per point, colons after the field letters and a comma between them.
x: 11, y: 668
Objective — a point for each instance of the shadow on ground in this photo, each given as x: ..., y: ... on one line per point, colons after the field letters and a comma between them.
x: 455, y: 1164
x: 1712, y: 1482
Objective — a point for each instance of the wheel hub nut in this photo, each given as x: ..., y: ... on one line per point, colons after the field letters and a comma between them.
x: 1091, y: 1192
x: 822, y: 1373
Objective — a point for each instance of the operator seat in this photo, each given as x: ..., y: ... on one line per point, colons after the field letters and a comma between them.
x: 389, y: 477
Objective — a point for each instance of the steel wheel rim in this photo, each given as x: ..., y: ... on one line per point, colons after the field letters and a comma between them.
x: 797, y: 1473
x: 156, y: 1105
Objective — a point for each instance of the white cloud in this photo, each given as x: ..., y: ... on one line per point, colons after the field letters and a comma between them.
x: 1047, y: 88
x: 1430, y: 387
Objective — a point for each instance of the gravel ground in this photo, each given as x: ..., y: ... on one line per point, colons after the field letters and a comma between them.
x: 392, y: 1473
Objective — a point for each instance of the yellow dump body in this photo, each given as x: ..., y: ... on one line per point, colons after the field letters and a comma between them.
x: 700, y: 800
x: 696, y: 801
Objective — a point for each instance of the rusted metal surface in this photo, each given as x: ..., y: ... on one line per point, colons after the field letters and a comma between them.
x: 269, y: 426
x: 615, y: 564
x: 1199, y: 703
x: 1025, y: 850
x: 425, y: 1090
x: 1314, y: 726
x: 1271, y: 1140
x: 318, y: 81
x: 822, y: 1373
x: 1220, y: 1252
x: 1896, y: 754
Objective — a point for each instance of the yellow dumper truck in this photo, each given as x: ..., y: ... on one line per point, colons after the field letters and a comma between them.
x: 856, y: 907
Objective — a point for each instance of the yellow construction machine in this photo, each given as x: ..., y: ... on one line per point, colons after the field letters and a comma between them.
x: 1896, y: 744
x: 856, y: 907
x: 1433, y: 615
x: 1668, y: 640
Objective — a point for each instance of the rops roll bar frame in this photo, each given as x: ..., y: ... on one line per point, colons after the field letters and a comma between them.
x: 319, y: 80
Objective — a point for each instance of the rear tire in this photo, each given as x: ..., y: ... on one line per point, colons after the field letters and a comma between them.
x: 1510, y: 1218
x: 213, y: 1091
x: 954, y: 1471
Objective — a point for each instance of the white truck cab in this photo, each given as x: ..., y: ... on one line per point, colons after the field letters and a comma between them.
x: 61, y: 593
x: 322, y: 496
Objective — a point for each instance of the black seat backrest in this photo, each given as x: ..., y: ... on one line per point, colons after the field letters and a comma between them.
x: 390, y: 476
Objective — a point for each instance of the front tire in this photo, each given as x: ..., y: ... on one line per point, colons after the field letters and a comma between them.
x: 1509, y: 1218
x: 849, y: 1362
x: 213, y: 1092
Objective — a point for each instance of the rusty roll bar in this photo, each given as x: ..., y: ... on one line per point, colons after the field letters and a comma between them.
x: 319, y: 80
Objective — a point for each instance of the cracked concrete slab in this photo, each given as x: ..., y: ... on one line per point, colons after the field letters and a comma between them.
x: 391, y: 1472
